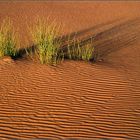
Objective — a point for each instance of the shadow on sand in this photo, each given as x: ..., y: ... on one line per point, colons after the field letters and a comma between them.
x: 104, y: 42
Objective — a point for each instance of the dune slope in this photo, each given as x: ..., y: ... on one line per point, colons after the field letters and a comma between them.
x: 75, y: 100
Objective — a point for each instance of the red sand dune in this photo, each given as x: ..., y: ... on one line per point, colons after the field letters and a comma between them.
x: 75, y: 99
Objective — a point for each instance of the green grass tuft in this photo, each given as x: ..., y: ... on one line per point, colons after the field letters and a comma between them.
x: 8, y: 39
x: 45, y: 36
x: 79, y: 51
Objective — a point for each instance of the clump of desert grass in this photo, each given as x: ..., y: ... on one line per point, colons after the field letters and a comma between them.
x: 47, y: 43
x: 45, y: 35
x: 76, y: 50
x: 8, y: 39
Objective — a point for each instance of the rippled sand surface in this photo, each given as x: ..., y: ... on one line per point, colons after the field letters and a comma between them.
x: 75, y: 100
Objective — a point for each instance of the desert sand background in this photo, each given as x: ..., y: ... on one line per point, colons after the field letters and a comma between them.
x: 75, y: 99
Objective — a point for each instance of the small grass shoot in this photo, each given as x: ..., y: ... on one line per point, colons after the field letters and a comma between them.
x: 79, y: 51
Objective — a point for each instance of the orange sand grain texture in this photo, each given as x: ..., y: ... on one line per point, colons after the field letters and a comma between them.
x: 75, y: 100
